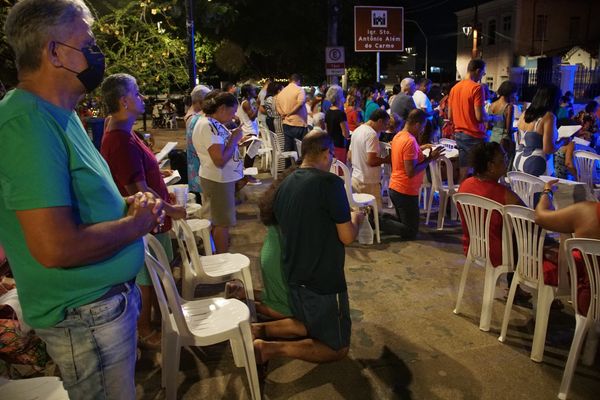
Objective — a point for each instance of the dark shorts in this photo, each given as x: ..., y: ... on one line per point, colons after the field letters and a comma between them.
x: 465, y: 143
x: 326, y: 316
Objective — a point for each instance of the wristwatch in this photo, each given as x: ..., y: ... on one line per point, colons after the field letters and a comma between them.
x: 550, y: 193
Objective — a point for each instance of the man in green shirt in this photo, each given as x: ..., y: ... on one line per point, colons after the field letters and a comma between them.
x: 73, y: 242
x: 314, y: 216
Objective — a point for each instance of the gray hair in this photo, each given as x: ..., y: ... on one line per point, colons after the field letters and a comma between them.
x: 30, y: 24
x: 334, y: 94
x: 406, y: 83
x: 113, y: 88
x: 318, y: 118
x: 198, y: 93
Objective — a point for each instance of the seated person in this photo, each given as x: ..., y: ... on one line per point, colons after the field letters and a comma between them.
x: 489, y: 162
x: 583, y: 221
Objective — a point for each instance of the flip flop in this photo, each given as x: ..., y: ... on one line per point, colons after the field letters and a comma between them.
x: 146, y: 342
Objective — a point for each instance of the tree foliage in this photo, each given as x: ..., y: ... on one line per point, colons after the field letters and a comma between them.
x: 8, y: 70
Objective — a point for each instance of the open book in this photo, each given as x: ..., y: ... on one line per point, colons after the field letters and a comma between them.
x: 173, y: 178
x: 165, y: 151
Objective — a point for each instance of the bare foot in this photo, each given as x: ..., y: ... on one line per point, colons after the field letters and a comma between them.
x: 258, y: 331
x: 261, y: 358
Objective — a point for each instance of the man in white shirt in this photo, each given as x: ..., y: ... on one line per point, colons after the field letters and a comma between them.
x: 364, y: 155
x: 420, y: 96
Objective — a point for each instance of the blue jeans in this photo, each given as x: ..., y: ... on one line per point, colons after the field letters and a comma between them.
x: 464, y: 144
x: 290, y: 133
x: 95, y: 347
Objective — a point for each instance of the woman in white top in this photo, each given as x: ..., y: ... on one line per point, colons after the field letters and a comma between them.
x: 247, y: 113
x: 220, y: 163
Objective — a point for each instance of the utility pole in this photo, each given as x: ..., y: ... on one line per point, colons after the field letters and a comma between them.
x: 332, y: 30
x: 475, y: 34
x: 189, y: 23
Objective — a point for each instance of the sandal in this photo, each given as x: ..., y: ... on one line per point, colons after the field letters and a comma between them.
x: 151, y: 341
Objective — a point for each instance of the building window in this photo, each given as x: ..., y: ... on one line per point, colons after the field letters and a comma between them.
x: 541, y: 22
x: 507, y: 23
x: 574, y: 25
x: 491, y: 32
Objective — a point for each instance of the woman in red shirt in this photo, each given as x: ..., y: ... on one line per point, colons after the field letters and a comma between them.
x: 134, y: 169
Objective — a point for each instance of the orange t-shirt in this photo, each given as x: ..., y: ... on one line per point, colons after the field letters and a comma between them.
x: 405, y: 147
x: 463, y: 98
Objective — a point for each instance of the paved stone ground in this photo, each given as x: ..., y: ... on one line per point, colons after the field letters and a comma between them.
x: 406, y: 342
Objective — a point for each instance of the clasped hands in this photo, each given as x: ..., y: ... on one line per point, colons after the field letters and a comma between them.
x: 146, y: 208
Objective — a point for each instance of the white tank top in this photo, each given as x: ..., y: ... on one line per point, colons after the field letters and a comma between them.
x: 249, y: 127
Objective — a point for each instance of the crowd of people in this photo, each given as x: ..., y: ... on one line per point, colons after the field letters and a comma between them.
x: 72, y: 219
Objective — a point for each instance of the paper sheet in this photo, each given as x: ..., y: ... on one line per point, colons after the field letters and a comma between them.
x: 566, y: 131
x: 165, y: 151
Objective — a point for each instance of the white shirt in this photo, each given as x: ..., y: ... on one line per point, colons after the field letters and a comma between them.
x: 207, y: 132
x: 364, y: 140
x: 249, y: 127
x: 422, y: 101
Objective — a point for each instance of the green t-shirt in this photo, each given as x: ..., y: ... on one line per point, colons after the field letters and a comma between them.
x: 276, y: 291
x: 48, y: 160
x: 308, y: 205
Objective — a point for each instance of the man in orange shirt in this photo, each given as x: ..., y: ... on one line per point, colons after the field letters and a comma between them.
x: 408, y: 167
x: 290, y: 105
x: 466, y: 111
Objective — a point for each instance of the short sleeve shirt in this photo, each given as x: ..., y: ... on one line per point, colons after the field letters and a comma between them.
x: 463, y: 98
x: 333, y: 119
x: 207, y: 132
x: 403, y: 104
x: 308, y: 205
x: 49, y: 161
x: 404, y: 148
x: 130, y: 161
x: 364, y: 140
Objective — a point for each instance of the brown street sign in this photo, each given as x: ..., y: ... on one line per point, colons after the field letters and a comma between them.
x: 378, y: 28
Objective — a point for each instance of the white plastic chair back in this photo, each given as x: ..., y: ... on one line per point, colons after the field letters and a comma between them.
x: 188, y: 249
x: 278, y: 153
x: 436, y: 173
x: 340, y: 169
x: 448, y: 144
x: 11, y: 299
x: 445, y: 190
x: 168, y: 298
x: 525, y: 186
x: 584, y: 324
x: 530, y: 243
x: 586, y: 164
x: 476, y: 212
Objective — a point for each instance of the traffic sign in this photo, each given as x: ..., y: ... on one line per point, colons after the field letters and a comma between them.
x: 378, y: 28
x: 335, y: 61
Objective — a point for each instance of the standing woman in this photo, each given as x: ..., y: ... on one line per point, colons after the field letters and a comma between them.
x: 193, y: 162
x: 134, y: 169
x: 220, y: 163
x: 352, y: 112
x: 336, y: 121
x: 502, y: 111
x: 538, y: 134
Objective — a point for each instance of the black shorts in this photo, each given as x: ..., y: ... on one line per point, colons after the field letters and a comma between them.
x: 326, y: 316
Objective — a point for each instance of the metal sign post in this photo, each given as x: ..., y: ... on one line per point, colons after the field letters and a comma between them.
x: 377, y: 66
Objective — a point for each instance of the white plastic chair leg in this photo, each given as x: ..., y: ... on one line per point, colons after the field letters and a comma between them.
x: 207, y: 242
x: 376, y: 217
x: 544, y: 301
x: 591, y: 346
x: 429, y: 206
x: 251, y: 372
x: 508, y: 307
x: 237, y: 349
x: 170, y: 366
x: 461, y: 286
x: 442, y: 209
x: 489, y: 287
x: 581, y: 326
x: 246, y: 279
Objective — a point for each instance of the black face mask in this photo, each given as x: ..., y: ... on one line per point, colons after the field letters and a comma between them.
x: 91, y: 77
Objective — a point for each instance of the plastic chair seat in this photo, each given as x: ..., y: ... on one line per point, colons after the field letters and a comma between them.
x: 219, y: 265
x: 363, y: 198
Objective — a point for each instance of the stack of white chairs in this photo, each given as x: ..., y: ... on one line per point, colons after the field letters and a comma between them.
x: 211, y: 269
x: 529, y: 272
x: 266, y: 151
x: 198, y: 323
x: 386, y: 173
x: 584, y: 324
x: 356, y: 200
x: 445, y: 190
x: 477, y: 212
x: 525, y: 186
x: 277, y: 154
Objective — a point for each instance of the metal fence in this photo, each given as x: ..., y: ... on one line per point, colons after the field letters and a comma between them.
x: 587, y: 83
x: 586, y: 86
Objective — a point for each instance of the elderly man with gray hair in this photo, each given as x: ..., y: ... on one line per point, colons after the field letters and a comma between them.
x: 403, y: 103
x: 74, y: 244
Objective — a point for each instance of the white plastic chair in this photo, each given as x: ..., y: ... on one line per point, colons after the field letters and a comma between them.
x: 386, y: 173
x: 356, y: 199
x: 590, y: 249
x: 277, y: 153
x: 477, y: 213
x: 11, y: 299
x: 445, y: 190
x: 266, y: 150
x: 525, y: 186
x: 200, y: 227
x: 586, y: 164
x: 212, y: 269
x: 198, y: 323
x: 298, y: 147
x: 529, y: 272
